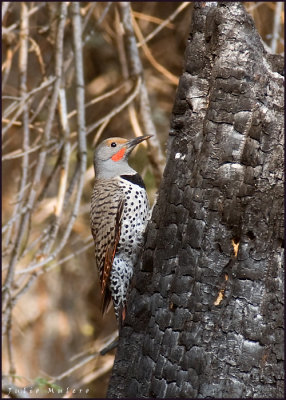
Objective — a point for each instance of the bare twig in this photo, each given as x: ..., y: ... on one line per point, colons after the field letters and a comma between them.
x: 52, y: 174
x: 99, y: 132
x: 76, y: 22
x: 80, y: 169
x: 276, y: 25
x: 14, y: 118
x: 134, y: 122
x: 164, y: 24
x: 38, y: 273
x: 66, y: 150
x: 109, y: 347
x: 100, y: 98
x: 125, y: 72
x: 151, y: 18
x: 117, y: 109
x: 40, y: 106
x: 8, y: 63
x: 81, y: 136
x: 12, y: 27
x: 171, y: 77
x: 135, y: 67
x: 5, y: 5
x: 73, y: 181
x: 97, y: 346
x: 36, y: 48
x: 64, y: 167
x: 113, y: 338
x: 52, y: 261
x: 12, y: 369
x: 71, y: 370
x: 254, y: 5
x: 23, y: 61
x: 92, y: 376
x: 91, y: 7
x: 20, y: 104
x: 23, y: 290
x: 41, y: 160
x: 18, y: 153
x: 104, y: 13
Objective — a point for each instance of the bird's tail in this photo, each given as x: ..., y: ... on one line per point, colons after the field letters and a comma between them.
x: 121, y: 316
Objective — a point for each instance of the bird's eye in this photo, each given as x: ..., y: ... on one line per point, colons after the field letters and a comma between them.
x: 113, y: 144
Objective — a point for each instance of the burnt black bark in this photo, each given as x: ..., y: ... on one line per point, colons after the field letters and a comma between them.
x: 205, y: 317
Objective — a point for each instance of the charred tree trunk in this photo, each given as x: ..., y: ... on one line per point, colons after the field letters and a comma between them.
x: 205, y: 317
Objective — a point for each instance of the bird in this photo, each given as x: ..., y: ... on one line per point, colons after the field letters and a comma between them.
x: 118, y: 217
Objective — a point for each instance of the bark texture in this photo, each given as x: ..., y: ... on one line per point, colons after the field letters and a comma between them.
x: 205, y: 316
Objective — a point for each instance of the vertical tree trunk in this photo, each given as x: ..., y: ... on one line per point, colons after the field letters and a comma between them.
x: 205, y: 316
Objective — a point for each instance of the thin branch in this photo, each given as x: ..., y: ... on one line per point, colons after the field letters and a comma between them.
x: 105, y: 12
x: 22, y: 291
x: 42, y: 156
x: 76, y: 24
x: 91, y: 377
x: 22, y: 101
x: 51, y: 175
x: 117, y: 109
x: 66, y: 150
x: 42, y: 237
x: 80, y: 364
x: 40, y: 106
x: 73, y: 181
x: 164, y: 24
x: 14, y: 26
x: 276, y: 26
x: 171, y: 77
x: 14, y: 118
x: 23, y: 63
x: 135, y: 66
x: 134, y: 122
x: 7, y: 64
x: 125, y: 72
x: 99, y: 132
x: 12, y: 369
x: 151, y: 18
x: 100, y: 98
x: 91, y: 7
x: 113, y: 337
x: 254, y: 6
x: 36, y: 48
x: 76, y: 20
x: 5, y: 5
x: 54, y: 263
x: 81, y: 132
x: 19, y: 153
x: 64, y: 168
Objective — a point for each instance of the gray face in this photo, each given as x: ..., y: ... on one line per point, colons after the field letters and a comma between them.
x: 111, y: 158
x: 109, y: 147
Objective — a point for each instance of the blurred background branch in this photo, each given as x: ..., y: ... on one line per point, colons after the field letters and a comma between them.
x: 72, y: 75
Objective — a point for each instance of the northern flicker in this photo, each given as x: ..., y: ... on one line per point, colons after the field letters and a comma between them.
x: 119, y: 210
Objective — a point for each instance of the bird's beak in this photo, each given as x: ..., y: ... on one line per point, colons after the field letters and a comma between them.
x: 133, y: 142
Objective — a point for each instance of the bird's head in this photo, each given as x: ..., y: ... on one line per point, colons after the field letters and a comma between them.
x: 111, y: 156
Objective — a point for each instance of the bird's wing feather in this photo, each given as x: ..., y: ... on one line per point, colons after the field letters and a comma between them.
x: 109, y: 256
x: 107, y: 205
